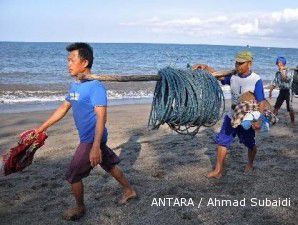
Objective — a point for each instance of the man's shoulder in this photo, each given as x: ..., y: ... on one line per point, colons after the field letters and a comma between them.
x: 290, y: 73
x: 93, y: 84
x: 226, y: 80
x: 96, y: 88
x: 255, y: 76
x: 252, y: 76
x: 96, y: 83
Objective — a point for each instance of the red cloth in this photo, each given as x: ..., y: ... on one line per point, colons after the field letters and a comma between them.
x: 22, y: 155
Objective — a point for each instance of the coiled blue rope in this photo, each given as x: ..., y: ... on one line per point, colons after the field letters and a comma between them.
x: 186, y: 100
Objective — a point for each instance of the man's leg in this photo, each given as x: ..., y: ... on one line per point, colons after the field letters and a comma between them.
x: 290, y: 108
x: 292, y: 116
x: 221, y: 155
x: 251, y: 153
x: 79, y: 210
x: 278, y: 103
x: 247, y: 137
x: 224, y: 138
x: 128, y: 191
x: 78, y: 193
x: 79, y: 168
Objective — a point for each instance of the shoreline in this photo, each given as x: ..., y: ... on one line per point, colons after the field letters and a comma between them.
x: 47, y: 111
x: 50, y: 105
x: 36, y: 107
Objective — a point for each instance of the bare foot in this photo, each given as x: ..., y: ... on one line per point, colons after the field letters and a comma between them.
x: 74, y: 213
x: 248, y: 168
x: 215, y: 174
x: 127, y: 195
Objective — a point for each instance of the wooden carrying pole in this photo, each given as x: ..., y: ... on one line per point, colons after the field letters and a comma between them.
x: 294, y: 68
x: 129, y: 78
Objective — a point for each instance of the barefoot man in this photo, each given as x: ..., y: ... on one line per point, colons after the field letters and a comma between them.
x: 245, y: 80
x: 88, y: 101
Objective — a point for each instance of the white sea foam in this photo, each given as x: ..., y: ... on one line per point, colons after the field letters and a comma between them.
x: 129, y: 95
x: 19, y: 99
x: 15, y: 97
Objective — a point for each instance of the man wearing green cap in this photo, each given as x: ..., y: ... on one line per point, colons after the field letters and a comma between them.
x: 243, y: 81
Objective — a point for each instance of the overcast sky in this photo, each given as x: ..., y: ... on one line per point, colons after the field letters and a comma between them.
x: 269, y: 23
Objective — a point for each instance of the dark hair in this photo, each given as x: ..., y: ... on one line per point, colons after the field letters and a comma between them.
x: 85, y: 51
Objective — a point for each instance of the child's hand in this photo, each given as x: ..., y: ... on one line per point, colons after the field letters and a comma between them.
x: 256, y: 125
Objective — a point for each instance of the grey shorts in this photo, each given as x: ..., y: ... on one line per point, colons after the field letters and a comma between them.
x: 284, y: 95
x: 80, y: 166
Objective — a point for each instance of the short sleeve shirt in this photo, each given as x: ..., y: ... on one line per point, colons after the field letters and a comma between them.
x: 282, y: 83
x: 240, y: 84
x: 84, y: 96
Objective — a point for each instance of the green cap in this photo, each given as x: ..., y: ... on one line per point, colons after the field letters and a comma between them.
x: 244, y: 56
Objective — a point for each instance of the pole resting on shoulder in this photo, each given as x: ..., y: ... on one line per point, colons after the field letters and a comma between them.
x: 133, y: 78
x: 294, y: 68
x: 119, y: 78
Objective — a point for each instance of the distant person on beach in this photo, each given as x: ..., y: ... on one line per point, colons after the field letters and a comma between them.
x: 242, y: 82
x: 88, y: 101
x: 283, y: 80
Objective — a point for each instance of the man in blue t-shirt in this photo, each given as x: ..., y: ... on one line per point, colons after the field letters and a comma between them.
x: 242, y: 82
x: 88, y: 101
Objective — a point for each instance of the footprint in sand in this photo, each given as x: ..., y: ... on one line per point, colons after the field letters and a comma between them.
x: 53, y: 205
x: 158, y: 174
x: 55, y: 185
x: 5, y: 184
x: 236, y: 191
x: 186, y: 216
x: 44, y: 185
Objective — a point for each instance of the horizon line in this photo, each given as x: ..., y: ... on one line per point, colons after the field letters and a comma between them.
x: 153, y: 43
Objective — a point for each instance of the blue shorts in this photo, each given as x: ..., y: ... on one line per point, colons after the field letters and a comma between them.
x: 227, y: 135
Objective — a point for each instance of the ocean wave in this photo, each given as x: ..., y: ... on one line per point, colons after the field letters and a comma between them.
x: 14, y: 100
x: 128, y: 95
x: 15, y: 97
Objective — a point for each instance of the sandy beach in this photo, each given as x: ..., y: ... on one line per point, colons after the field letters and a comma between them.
x: 159, y: 164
